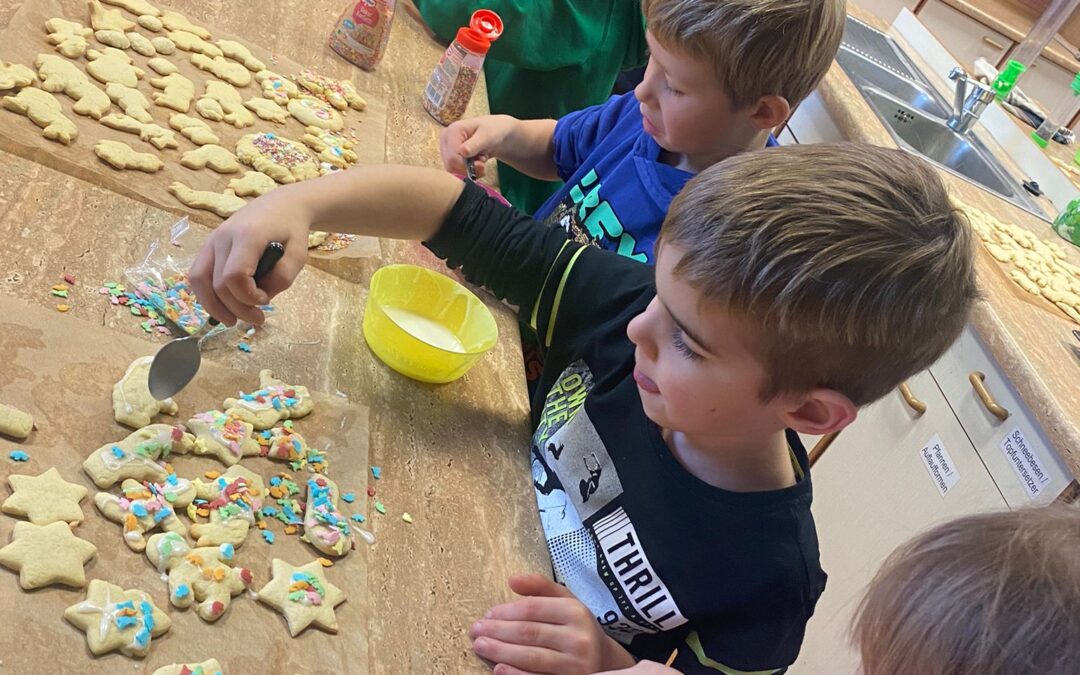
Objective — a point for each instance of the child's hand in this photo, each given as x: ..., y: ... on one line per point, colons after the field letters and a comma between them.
x: 221, y: 275
x: 548, y: 631
x: 479, y: 137
x: 644, y: 668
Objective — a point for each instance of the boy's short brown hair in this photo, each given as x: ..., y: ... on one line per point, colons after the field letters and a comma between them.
x: 990, y: 593
x: 758, y: 47
x: 848, y: 263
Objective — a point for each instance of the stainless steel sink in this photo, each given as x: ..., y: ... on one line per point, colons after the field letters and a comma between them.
x: 879, y: 48
x: 867, y: 73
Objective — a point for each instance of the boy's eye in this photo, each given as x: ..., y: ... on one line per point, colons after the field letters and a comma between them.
x: 680, y: 344
x: 672, y: 90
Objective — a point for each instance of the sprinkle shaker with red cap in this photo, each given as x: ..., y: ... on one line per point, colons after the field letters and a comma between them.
x: 451, y: 86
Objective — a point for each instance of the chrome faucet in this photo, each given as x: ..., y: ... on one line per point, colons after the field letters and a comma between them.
x: 969, y: 102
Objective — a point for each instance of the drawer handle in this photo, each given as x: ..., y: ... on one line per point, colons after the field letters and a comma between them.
x: 992, y: 42
x: 977, y: 380
x: 914, y: 403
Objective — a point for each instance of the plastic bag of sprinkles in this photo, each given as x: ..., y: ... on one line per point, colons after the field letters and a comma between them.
x: 161, y: 280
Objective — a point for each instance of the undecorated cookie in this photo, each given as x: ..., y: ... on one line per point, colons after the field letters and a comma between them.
x: 14, y: 422
x: 253, y: 184
x: 60, y: 75
x: 208, y: 667
x: 45, y: 499
x: 153, y: 134
x: 139, y: 7
x: 267, y: 110
x: 224, y: 69
x: 303, y: 594
x: 145, y: 507
x: 222, y: 436
x: 277, y: 88
x: 274, y: 401
x: 141, y: 45
x: 213, y: 157
x: 194, y: 129
x: 333, y: 148
x: 234, y: 498
x: 210, y: 109
x: 283, y: 160
x: 150, y: 23
x: 315, y: 238
x: 118, y: 619
x: 46, y: 555
x: 325, y: 527
x: 69, y: 37
x: 163, y: 46
x: 189, y: 42
x: 113, y: 65
x: 231, y: 102
x: 103, y: 18
x: 137, y: 455
x: 133, y: 404
x: 177, y: 21
x: 177, y: 92
x: 205, y: 576
x: 339, y: 93
x: 131, y: 101
x: 162, y: 66
x: 122, y: 156
x: 239, y: 52
x: 112, y: 38
x: 222, y: 203
x: 311, y: 111
x: 45, y: 111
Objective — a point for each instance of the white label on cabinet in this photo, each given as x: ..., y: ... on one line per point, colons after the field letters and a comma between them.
x: 1025, y: 462
x: 940, y: 465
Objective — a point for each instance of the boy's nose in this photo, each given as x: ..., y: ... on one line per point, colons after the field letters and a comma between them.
x: 643, y: 92
x: 640, y: 331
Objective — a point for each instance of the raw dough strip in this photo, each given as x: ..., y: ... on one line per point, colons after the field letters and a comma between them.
x: 14, y: 422
x: 223, y: 204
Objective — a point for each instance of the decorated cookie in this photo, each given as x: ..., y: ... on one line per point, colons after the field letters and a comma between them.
x: 15, y: 76
x: 45, y: 499
x: 240, y: 53
x: 189, y: 42
x: 133, y: 404
x: 233, y: 499
x: 145, y: 506
x: 141, y: 45
x: 113, y: 65
x: 283, y: 160
x: 45, y: 555
x: 177, y: 21
x: 112, y: 38
x: 160, y: 137
x: 273, y: 402
x: 304, y: 595
x: 118, y: 619
x: 333, y: 148
x: 208, y: 667
x: 62, y: 76
x: 276, y: 88
x: 325, y: 527
x: 163, y: 46
x: 311, y: 111
x: 14, y: 422
x: 339, y: 93
x: 139, y: 7
x: 223, y: 204
x: 253, y: 184
x: 267, y: 110
x: 222, y: 68
x: 214, y: 157
x: 231, y: 103
x: 45, y: 111
x: 131, y: 101
x: 122, y: 156
x: 203, y: 575
x: 69, y: 37
x: 103, y: 18
x: 162, y: 66
x: 150, y: 22
x: 226, y: 437
x: 138, y: 455
x: 176, y: 92
x: 194, y: 129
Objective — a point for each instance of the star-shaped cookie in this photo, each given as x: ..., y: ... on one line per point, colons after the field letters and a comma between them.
x: 208, y: 667
x: 47, y: 554
x: 303, y: 595
x: 45, y: 499
x: 118, y: 619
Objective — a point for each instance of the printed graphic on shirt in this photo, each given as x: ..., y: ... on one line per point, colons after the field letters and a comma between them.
x: 595, y: 549
x: 588, y: 219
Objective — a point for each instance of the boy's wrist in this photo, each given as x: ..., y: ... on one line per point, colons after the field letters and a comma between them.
x: 614, y: 655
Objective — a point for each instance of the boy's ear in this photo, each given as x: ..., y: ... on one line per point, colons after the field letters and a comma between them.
x: 822, y: 411
x: 770, y: 112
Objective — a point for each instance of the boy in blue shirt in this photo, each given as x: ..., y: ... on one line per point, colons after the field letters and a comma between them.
x: 722, y: 74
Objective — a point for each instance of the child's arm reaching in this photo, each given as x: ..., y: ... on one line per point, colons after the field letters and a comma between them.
x: 526, y: 145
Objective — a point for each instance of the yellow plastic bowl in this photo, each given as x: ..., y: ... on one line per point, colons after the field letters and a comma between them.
x: 425, y: 325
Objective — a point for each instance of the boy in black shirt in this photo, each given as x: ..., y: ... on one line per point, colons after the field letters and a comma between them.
x: 792, y: 286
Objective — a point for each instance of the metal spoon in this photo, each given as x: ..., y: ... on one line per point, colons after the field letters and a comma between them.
x: 178, y: 361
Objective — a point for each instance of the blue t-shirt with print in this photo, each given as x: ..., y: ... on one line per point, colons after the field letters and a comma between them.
x: 617, y: 190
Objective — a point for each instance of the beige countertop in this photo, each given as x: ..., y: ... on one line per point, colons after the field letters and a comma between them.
x: 1035, y: 348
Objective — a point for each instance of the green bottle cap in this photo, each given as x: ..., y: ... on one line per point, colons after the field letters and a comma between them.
x: 1042, y: 142
x: 1006, y: 79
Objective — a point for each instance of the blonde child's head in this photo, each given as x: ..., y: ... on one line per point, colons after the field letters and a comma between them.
x: 987, y: 594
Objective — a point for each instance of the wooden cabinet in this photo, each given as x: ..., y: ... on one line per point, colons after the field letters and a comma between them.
x: 886, y: 10
x: 1048, y: 83
x: 964, y: 37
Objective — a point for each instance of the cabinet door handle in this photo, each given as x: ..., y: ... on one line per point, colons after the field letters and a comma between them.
x: 992, y: 42
x: 913, y: 402
x: 977, y: 380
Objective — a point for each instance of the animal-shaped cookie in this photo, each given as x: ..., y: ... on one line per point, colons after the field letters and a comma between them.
x: 223, y: 204
x: 304, y: 595
x: 160, y: 137
x: 60, y: 75
x: 177, y: 92
x: 131, y: 101
x: 146, y: 506
x: 208, y: 667
x: 231, y: 103
x: 137, y: 455
x: 311, y: 111
x: 103, y: 18
x: 276, y: 88
x: 333, y: 148
x: 223, y: 436
x: 284, y: 160
x: 113, y: 65
x: 118, y: 619
x: 133, y: 404
x: 194, y: 129
x: 177, y: 21
x: 214, y: 157
x: 137, y: 7
x: 233, y: 499
x: 45, y: 111
x: 239, y: 52
x: 253, y: 184
x: 273, y: 402
x: 325, y: 527
x: 122, y: 157
x: 204, y: 577
x: 267, y: 110
x: 189, y: 42
x: 47, y: 554
x: 15, y: 76
x: 44, y: 499
x: 339, y: 93
x: 69, y: 37
x: 220, y: 67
